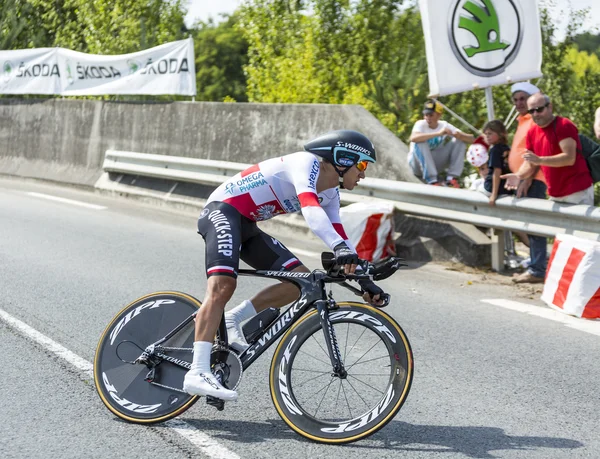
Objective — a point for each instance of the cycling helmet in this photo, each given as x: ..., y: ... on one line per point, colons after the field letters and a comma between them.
x: 343, y: 148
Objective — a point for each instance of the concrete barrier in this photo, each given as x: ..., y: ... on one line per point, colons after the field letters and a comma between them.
x: 65, y: 140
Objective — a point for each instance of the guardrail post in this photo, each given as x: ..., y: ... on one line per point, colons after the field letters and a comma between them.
x: 498, y: 250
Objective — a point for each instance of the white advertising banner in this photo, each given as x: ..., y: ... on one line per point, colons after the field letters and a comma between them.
x: 473, y: 44
x: 30, y: 71
x: 165, y: 69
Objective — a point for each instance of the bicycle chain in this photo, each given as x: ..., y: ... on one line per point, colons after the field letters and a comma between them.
x: 168, y: 387
x: 216, y: 347
x: 175, y: 348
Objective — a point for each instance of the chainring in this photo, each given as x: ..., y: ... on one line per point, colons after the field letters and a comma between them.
x: 227, y: 367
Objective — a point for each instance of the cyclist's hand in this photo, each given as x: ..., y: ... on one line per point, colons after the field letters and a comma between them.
x: 371, y: 293
x: 345, y: 257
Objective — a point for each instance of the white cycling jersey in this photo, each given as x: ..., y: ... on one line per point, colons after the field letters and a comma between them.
x: 285, y: 185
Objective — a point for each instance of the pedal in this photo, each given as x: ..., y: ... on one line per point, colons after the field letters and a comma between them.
x: 216, y: 402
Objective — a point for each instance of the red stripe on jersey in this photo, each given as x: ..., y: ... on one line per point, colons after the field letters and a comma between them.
x: 243, y: 203
x: 220, y: 269
x: 308, y: 199
x: 340, y: 230
x: 250, y: 170
x: 567, y: 276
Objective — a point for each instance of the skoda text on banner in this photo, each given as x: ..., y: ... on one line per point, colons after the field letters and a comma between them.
x: 474, y: 44
x: 165, y: 69
x: 30, y: 71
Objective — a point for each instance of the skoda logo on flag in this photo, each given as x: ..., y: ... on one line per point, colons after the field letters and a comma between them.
x: 485, y: 35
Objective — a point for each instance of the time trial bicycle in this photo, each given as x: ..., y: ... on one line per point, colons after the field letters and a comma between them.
x: 341, y: 371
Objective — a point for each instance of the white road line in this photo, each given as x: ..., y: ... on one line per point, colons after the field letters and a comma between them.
x: 49, y: 344
x: 65, y: 200
x: 208, y: 445
x: 204, y: 442
x: 584, y: 325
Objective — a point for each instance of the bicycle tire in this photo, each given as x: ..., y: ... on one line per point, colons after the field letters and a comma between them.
x: 122, y: 386
x: 291, y: 400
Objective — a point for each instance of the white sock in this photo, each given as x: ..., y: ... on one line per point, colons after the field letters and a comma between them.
x: 244, y: 311
x: 448, y: 178
x: 201, y: 359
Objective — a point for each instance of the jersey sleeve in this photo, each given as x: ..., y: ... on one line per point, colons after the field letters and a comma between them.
x: 304, y: 177
x: 332, y: 209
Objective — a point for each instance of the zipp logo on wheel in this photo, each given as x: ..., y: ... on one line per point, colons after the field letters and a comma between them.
x: 485, y: 35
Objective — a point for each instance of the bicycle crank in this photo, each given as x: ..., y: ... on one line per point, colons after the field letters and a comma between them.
x: 227, y: 368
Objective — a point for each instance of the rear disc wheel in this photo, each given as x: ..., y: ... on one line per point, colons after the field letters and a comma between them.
x: 121, y: 384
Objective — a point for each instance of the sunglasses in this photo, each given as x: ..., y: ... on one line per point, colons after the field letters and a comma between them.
x: 531, y: 111
x: 362, y: 165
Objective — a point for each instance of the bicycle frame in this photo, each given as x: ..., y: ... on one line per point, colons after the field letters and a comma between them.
x: 312, y: 294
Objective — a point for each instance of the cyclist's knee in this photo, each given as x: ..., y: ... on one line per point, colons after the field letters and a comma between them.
x: 219, y: 289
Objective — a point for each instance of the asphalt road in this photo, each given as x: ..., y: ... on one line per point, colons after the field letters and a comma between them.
x: 490, y: 382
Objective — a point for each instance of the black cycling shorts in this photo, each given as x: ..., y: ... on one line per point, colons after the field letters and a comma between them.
x: 229, y: 236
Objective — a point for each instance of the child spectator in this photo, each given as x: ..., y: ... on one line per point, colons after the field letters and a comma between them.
x: 496, y: 136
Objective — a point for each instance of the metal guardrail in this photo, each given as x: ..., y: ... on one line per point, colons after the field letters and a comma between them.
x: 532, y: 216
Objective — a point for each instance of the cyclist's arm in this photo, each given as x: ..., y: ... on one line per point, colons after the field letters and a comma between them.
x: 304, y: 179
x: 332, y: 209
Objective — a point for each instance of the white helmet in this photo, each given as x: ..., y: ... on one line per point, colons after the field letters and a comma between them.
x: 477, y: 155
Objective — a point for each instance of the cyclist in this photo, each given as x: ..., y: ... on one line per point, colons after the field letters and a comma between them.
x: 291, y: 183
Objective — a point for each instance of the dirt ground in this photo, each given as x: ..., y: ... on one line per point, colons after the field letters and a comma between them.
x: 487, y: 276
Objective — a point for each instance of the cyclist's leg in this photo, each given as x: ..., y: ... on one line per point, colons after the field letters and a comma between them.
x: 219, y: 225
x: 262, y: 251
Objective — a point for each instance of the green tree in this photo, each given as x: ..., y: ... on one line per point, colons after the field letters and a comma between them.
x: 221, y: 53
x: 21, y: 26
x: 101, y: 26
x: 335, y: 51
x: 588, y: 42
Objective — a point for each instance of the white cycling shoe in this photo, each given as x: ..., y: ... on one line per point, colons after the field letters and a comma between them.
x: 235, y: 335
x: 206, y: 384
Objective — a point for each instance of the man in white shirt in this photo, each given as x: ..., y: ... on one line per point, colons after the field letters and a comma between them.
x: 436, y: 145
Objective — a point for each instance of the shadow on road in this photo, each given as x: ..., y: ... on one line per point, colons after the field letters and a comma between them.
x: 471, y: 441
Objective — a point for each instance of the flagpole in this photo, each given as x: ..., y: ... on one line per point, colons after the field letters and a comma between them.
x: 489, y: 99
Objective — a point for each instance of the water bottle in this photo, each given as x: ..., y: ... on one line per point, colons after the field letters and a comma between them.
x: 259, y: 323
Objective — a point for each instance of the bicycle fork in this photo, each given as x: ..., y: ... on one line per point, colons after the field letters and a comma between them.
x: 323, y: 307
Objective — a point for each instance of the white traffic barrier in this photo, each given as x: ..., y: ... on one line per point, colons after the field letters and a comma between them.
x: 573, y: 277
x: 370, y: 227
x: 532, y: 216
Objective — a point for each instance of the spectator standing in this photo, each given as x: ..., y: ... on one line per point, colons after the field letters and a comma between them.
x: 533, y: 186
x: 435, y: 146
x: 552, y: 143
x: 496, y: 136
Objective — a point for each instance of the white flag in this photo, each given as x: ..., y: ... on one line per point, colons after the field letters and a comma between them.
x: 165, y: 69
x: 474, y: 44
